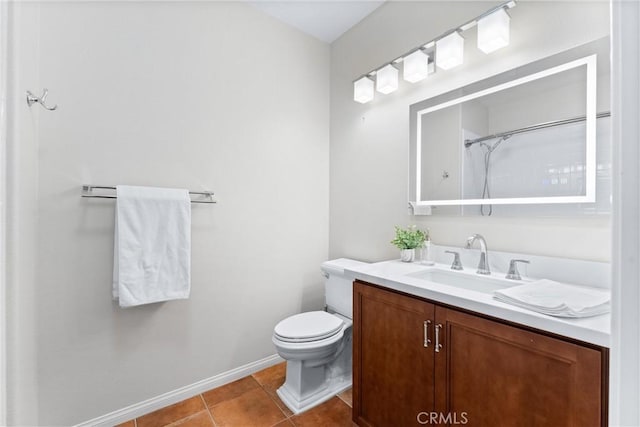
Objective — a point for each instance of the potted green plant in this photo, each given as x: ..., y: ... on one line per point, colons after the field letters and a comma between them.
x: 407, y: 240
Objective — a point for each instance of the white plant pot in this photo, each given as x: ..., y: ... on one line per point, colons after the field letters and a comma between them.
x: 407, y: 255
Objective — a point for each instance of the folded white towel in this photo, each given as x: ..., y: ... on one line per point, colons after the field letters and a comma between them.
x: 152, y: 250
x: 557, y: 299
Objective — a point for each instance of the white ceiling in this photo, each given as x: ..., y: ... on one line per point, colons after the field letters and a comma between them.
x: 324, y: 20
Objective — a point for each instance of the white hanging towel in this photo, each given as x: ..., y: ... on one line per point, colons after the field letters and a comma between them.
x: 152, y: 250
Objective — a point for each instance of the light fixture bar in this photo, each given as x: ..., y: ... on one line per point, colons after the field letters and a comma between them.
x: 431, y: 44
x: 506, y: 6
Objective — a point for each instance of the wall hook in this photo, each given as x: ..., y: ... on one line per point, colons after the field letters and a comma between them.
x: 32, y: 99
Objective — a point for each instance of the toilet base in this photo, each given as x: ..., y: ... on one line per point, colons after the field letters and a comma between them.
x: 330, y: 389
x: 320, y: 375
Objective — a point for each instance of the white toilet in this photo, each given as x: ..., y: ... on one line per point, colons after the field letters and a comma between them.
x: 317, y: 344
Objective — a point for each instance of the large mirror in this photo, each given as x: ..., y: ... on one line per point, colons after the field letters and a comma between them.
x: 529, y: 136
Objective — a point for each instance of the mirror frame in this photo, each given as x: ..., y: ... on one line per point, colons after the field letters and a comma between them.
x: 512, y: 78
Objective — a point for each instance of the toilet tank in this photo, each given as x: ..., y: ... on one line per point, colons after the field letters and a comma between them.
x: 338, y: 289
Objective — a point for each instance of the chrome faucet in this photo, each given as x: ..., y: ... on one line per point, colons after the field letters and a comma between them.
x: 483, y: 265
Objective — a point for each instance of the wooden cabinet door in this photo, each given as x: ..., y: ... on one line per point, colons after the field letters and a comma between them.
x: 393, y: 369
x: 499, y: 375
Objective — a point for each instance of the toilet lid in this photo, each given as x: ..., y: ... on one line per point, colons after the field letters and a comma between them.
x: 310, y: 326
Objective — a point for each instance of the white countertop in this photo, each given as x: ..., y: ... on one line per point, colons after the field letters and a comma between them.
x: 393, y: 275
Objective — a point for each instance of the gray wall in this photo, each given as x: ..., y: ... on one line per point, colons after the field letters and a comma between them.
x: 195, y: 95
x: 369, y: 143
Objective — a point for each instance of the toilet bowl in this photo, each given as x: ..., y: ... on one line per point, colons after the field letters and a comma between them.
x: 317, y: 344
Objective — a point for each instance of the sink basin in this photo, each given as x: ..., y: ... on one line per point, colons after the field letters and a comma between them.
x: 475, y: 282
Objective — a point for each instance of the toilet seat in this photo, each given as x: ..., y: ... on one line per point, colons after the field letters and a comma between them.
x: 308, y: 327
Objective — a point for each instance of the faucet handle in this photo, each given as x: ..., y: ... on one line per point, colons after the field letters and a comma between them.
x: 456, y: 265
x: 513, y: 272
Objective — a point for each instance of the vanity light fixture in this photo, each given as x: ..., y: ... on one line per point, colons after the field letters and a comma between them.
x: 415, y: 66
x: 448, y: 49
x: 387, y: 79
x: 363, y: 90
x: 493, y: 31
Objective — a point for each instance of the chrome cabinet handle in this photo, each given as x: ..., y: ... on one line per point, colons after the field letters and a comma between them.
x: 427, y: 341
x: 438, y: 345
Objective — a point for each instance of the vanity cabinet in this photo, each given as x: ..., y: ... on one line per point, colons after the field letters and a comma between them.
x: 417, y: 362
x: 393, y: 376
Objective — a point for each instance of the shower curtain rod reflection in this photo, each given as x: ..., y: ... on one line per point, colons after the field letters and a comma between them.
x: 87, y: 191
x: 469, y: 142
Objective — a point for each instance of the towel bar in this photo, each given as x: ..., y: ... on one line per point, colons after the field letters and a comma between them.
x: 87, y: 191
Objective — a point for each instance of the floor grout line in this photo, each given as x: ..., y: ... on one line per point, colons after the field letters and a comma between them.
x: 350, y: 405
x: 208, y: 410
x: 275, y: 402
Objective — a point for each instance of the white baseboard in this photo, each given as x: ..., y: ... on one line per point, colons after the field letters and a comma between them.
x: 175, y: 396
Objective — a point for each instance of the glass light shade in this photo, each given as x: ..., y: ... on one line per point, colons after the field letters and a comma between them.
x: 363, y: 90
x: 450, y: 51
x: 416, y: 66
x: 493, y: 31
x: 387, y: 79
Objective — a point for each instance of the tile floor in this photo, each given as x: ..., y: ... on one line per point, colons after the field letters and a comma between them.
x: 248, y: 402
